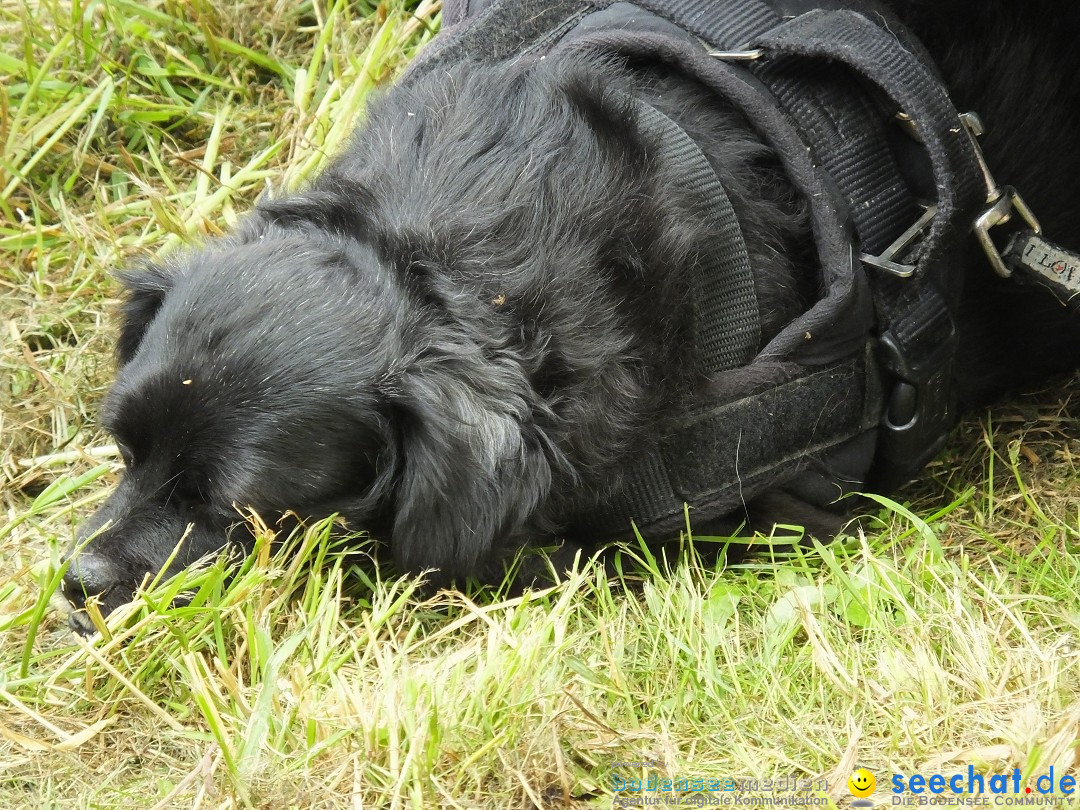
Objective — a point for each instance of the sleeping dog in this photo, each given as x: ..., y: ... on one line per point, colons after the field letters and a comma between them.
x: 464, y: 329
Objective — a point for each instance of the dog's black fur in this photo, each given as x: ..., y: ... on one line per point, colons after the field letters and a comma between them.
x: 466, y: 325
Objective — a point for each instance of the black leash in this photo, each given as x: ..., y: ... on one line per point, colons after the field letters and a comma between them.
x: 1036, y: 260
x: 1028, y: 254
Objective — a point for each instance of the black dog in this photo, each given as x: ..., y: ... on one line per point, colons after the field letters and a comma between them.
x: 467, y: 325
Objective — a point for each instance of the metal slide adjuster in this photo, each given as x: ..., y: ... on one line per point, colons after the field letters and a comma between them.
x: 738, y: 55
x: 889, y: 258
x: 1003, y: 201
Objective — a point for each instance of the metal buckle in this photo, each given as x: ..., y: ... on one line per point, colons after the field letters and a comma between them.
x: 738, y: 55
x: 1003, y: 201
x: 1000, y: 212
x: 887, y: 261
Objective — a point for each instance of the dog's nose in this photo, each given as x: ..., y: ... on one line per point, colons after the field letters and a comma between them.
x: 88, y: 575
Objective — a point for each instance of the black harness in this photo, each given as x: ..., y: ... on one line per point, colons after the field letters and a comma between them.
x: 854, y: 108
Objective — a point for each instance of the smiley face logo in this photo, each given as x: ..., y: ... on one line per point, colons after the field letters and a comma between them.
x: 861, y: 783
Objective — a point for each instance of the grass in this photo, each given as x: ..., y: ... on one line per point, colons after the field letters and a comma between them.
x: 941, y: 633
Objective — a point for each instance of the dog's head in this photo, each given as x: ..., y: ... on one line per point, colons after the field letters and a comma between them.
x: 249, y: 376
x: 291, y: 370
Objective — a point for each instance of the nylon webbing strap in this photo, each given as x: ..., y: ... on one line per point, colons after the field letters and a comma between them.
x: 847, y: 134
x: 833, y: 112
x: 724, y: 24
x: 716, y: 458
x: 873, y: 52
x: 726, y: 317
x: 918, y: 337
x: 727, y: 326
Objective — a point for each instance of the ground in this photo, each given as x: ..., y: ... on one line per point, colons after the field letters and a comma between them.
x: 939, y: 633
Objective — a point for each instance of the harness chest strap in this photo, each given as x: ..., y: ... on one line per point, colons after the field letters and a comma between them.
x: 718, y: 458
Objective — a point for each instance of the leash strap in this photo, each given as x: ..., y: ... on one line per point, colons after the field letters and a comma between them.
x: 1035, y: 259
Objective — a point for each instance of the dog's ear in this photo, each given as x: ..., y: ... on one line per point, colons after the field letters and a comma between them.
x: 146, y: 288
x: 473, y: 466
